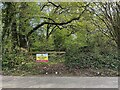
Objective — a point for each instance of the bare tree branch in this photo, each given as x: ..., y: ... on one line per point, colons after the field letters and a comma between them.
x: 56, y: 23
x: 57, y: 6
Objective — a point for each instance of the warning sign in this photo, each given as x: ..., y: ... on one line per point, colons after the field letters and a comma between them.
x: 42, y: 57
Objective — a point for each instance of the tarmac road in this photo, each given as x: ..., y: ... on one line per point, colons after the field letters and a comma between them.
x: 59, y: 82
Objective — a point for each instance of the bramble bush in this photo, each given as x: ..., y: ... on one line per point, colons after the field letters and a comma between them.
x: 13, y: 61
x: 85, y: 57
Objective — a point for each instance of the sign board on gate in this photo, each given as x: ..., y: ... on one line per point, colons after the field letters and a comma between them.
x: 42, y: 57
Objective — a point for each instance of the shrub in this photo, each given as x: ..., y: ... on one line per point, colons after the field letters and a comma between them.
x: 85, y: 57
x: 14, y: 60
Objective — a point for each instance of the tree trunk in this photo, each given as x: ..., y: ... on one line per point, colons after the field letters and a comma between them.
x: 14, y: 34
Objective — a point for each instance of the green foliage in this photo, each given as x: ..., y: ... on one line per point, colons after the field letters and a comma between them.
x: 85, y: 57
x: 12, y: 60
x: 59, y: 40
x: 16, y: 61
x: 87, y: 41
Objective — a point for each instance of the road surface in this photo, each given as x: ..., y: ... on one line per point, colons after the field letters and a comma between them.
x: 59, y: 82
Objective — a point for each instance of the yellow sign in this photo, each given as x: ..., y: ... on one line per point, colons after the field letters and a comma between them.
x: 42, y: 57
